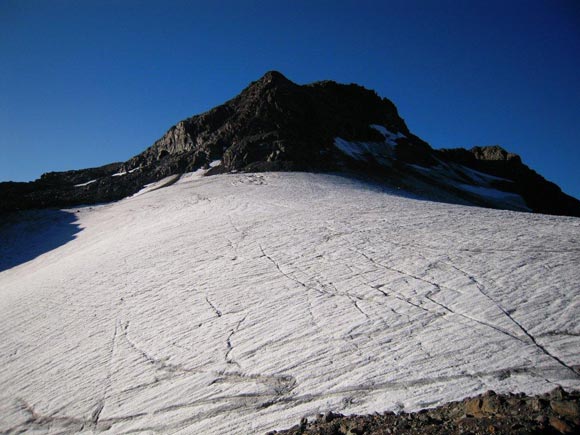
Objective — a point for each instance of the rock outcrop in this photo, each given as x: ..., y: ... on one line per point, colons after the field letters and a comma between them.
x: 539, y: 194
x: 275, y: 124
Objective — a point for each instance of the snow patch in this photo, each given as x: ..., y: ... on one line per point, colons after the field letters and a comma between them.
x: 167, y: 181
x: 481, y: 177
x: 420, y: 168
x: 192, y: 176
x: 363, y: 150
x: 382, y: 152
x: 85, y: 184
x: 508, y: 198
x: 390, y: 137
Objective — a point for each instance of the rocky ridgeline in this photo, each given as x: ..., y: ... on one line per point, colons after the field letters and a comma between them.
x: 540, y: 195
x: 274, y: 124
x: 557, y: 412
x: 277, y: 125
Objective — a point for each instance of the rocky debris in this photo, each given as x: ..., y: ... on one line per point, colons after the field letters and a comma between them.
x: 556, y: 412
x: 277, y: 125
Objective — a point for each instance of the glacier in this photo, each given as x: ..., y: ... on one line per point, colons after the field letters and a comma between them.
x: 239, y: 303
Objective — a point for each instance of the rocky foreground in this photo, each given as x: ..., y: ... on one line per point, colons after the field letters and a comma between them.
x: 557, y: 412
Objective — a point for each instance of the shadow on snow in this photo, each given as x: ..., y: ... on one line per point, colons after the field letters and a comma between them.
x: 26, y: 235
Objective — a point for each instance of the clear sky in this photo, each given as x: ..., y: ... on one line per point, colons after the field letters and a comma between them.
x: 84, y: 83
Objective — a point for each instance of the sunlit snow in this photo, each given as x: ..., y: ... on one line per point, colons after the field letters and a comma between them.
x: 85, y: 184
x: 390, y: 137
x: 241, y: 303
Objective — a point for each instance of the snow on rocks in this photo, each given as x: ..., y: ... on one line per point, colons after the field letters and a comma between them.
x: 390, y: 137
x: 221, y: 305
x: 382, y: 152
x: 510, y: 199
x: 164, y: 182
x: 362, y: 151
x: 85, y: 184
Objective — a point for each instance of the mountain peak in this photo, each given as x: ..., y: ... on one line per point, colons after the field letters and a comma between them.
x: 274, y: 77
x: 271, y: 80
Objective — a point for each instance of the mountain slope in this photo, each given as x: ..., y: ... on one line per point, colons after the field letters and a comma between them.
x: 275, y: 124
x: 241, y: 302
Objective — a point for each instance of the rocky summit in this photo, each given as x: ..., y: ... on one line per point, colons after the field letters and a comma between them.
x: 277, y: 125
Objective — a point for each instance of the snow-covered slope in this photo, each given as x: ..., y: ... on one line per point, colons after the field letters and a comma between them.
x: 240, y: 303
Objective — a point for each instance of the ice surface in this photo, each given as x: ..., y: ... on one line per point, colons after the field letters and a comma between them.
x: 240, y: 303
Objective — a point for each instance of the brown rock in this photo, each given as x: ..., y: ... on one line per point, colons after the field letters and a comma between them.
x: 490, y: 405
x: 329, y: 416
x: 537, y: 404
x: 560, y: 425
x: 351, y: 428
x: 484, y: 414
x: 557, y: 393
x: 565, y: 408
x: 473, y: 407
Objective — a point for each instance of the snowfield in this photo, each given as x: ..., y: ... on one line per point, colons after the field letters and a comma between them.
x: 241, y: 303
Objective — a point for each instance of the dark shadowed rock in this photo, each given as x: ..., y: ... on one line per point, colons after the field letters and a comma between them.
x: 540, y: 195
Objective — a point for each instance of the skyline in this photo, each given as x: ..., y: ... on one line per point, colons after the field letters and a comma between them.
x: 85, y: 85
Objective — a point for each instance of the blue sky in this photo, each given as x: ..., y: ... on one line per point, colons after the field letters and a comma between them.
x: 87, y: 83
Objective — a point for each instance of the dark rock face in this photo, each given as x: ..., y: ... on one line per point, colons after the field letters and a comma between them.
x: 273, y: 124
x: 58, y: 189
x: 540, y: 195
x: 277, y: 125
